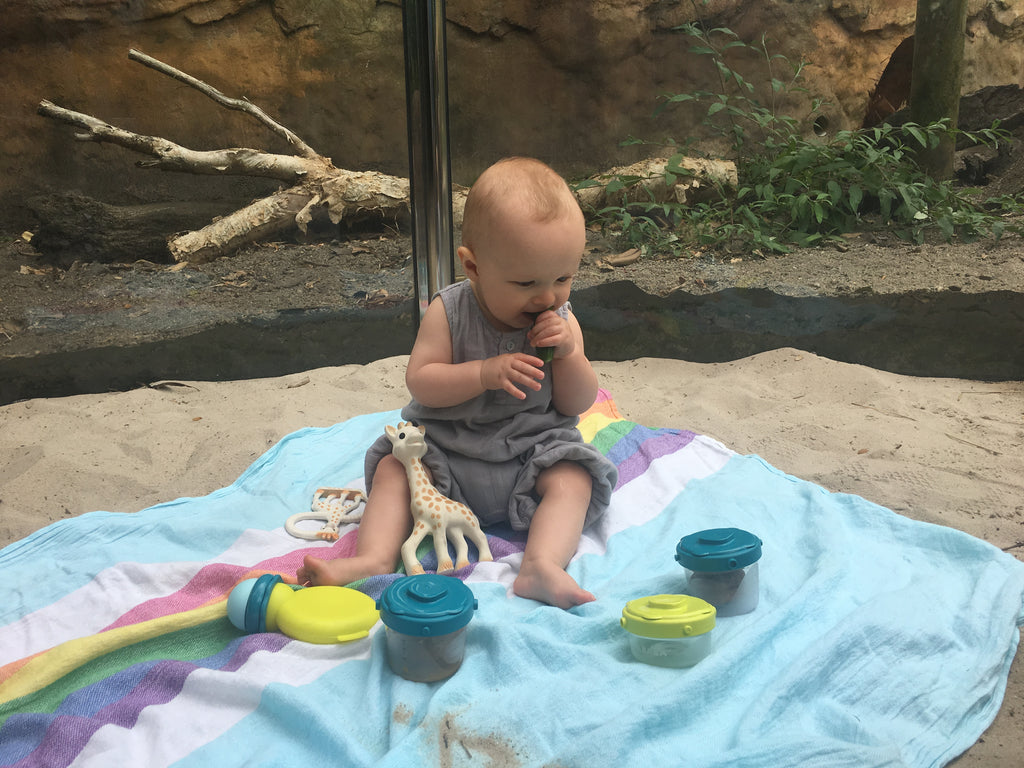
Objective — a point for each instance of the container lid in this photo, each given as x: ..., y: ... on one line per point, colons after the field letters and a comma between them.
x: 327, y: 615
x: 718, y: 549
x: 247, y: 603
x: 427, y: 605
x: 668, y: 616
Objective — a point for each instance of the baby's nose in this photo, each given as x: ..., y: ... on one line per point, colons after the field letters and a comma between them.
x: 544, y: 299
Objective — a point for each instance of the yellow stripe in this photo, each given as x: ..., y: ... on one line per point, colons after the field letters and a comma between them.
x: 593, y: 424
x: 50, y: 666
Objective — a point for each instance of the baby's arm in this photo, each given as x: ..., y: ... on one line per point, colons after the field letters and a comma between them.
x: 574, y: 382
x: 434, y: 381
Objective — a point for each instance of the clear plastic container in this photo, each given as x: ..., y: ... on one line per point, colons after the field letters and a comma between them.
x: 426, y: 619
x: 722, y: 568
x: 669, y: 630
x: 425, y: 659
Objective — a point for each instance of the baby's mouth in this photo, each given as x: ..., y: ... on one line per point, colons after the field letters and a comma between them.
x: 533, y: 316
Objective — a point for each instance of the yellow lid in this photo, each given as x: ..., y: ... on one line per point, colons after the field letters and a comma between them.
x: 668, y: 616
x: 326, y: 615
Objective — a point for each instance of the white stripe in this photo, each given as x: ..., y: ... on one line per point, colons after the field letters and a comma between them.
x: 645, y: 497
x: 211, y: 702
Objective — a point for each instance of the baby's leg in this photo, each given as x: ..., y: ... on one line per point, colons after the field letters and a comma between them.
x: 385, y: 525
x: 554, y: 536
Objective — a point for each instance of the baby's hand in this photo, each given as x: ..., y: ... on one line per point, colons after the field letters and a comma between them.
x: 550, y: 330
x: 512, y: 371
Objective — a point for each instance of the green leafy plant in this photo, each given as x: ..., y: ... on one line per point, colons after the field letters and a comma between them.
x: 794, y: 190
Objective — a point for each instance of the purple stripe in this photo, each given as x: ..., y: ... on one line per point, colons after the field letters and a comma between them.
x: 631, y: 441
x: 641, y: 459
x: 68, y: 734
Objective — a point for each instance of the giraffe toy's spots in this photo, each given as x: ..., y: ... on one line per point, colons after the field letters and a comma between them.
x: 432, y: 511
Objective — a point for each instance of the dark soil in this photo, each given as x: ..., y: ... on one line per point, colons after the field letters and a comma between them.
x: 118, y: 303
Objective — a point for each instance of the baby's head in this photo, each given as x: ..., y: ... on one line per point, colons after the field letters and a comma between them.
x: 513, y: 193
x: 523, y: 235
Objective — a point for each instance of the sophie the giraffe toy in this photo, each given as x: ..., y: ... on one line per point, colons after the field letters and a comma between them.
x: 433, y: 512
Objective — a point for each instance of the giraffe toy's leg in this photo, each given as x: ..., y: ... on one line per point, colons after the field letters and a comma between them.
x: 412, y: 565
x: 471, y: 526
x: 444, y: 560
x: 461, y: 548
x: 479, y: 538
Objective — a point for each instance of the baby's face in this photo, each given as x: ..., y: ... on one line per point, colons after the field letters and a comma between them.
x: 526, y: 269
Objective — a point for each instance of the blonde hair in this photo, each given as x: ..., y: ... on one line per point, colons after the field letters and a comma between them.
x: 516, y: 184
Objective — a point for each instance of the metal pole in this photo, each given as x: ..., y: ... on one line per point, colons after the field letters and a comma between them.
x: 430, y: 190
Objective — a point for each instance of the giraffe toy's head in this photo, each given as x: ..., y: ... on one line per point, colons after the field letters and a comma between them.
x: 407, y: 441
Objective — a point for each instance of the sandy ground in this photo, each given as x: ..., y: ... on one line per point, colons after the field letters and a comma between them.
x: 946, y: 451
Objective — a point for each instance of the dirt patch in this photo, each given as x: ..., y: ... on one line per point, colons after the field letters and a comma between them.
x: 44, y: 308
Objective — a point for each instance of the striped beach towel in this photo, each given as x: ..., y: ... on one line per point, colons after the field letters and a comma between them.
x: 878, y: 640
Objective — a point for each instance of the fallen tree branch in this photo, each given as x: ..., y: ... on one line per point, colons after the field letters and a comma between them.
x: 649, y: 181
x: 168, y: 156
x: 240, y: 105
x: 312, y: 178
x: 346, y: 194
x: 229, y: 233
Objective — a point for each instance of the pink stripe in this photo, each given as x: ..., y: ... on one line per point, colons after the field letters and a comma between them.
x: 216, y: 580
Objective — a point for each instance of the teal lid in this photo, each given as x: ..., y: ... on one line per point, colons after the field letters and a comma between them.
x: 247, y: 603
x: 427, y: 605
x: 718, y: 549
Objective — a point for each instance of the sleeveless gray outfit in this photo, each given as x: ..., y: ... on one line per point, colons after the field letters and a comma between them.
x: 488, y: 451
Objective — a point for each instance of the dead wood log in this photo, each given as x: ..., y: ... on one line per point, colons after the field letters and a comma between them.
x: 312, y: 178
x: 241, y: 105
x: 313, y: 182
x: 648, y: 181
x: 73, y: 227
x: 345, y: 194
x: 168, y: 156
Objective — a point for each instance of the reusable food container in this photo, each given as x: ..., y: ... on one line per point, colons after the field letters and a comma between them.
x: 669, y: 630
x: 425, y: 619
x: 721, y: 567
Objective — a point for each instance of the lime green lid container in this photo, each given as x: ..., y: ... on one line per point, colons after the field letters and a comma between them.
x: 669, y: 630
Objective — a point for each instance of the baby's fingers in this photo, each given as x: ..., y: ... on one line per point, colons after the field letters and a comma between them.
x: 529, y: 364
x: 522, y: 374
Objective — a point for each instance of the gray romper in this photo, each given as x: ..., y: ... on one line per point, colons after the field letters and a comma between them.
x: 488, y: 451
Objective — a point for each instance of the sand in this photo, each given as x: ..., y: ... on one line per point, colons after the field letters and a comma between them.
x: 946, y: 451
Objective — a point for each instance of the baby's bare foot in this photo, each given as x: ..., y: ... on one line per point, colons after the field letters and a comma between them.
x: 550, y: 584
x: 316, y: 572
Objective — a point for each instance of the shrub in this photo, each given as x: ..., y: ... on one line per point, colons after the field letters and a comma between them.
x: 794, y: 190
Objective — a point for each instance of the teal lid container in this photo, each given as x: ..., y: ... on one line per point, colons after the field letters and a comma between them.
x: 718, y: 549
x: 427, y: 605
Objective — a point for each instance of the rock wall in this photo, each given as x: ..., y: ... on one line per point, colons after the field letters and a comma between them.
x: 565, y: 81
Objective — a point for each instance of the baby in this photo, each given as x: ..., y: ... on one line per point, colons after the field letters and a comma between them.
x: 501, y: 423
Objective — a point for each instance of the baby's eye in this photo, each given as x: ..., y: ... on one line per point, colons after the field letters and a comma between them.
x: 565, y: 278
x: 524, y: 283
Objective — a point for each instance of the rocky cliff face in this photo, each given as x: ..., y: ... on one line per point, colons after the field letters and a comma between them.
x: 565, y: 81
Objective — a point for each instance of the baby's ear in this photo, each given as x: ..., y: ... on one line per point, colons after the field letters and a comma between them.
x: 468, y: 260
